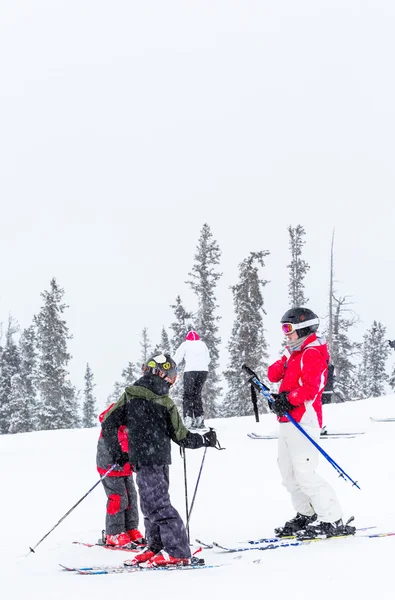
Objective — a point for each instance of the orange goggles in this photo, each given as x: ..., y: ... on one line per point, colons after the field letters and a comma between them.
x: 291, y: 327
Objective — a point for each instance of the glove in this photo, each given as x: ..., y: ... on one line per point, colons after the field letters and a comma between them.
x: 122, y: 458
x: 392, y: 344
x: 210, y: 438
x: 282, y: 405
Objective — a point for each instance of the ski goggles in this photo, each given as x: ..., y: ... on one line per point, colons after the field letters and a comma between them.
x: 291, y: 327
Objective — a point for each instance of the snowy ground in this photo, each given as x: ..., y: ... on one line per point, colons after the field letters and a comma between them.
x: 43, y: 474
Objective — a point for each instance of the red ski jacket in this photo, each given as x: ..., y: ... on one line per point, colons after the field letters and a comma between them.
x: 103, y: 457
x: 303, y: 374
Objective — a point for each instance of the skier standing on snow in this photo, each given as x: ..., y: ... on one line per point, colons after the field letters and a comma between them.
x: 302, y: 371
x: 122, y: 515
x: 196, y: 355
x: 152, y: 420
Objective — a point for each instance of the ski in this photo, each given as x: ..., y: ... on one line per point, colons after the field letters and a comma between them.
x: 112, y: 570
x: 332, y: 436
x: 129, y: 548
x: 293, y: 542
x: 383, y: 420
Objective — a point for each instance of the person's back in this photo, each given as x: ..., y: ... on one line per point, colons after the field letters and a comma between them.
x: 195, y: 353
x: 197, y: 358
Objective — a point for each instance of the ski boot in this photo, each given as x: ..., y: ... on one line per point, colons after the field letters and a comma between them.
x: 294, y: 525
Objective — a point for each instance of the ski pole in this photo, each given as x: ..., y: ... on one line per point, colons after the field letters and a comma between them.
x: 266, y: 393
x: 196, y: 487
x: 183, y: 451
x: 71, y: 509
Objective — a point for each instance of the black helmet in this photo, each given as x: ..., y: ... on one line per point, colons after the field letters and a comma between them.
x: 163, y: 366
x: 303, y: 321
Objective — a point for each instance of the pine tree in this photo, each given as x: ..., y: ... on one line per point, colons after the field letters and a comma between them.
x: 344, y: 352
x: 57, y: 403
x: 247, y: 344
x: 89, y: 407
x: 9, y: 369
x: 129, y: 376
x: 297, y: 267
x: 145, y: 346
x: 179, y: 327
x: 203, y: 282
x: 24, y: 385
x: 392, y: 378
x: 375, y: 352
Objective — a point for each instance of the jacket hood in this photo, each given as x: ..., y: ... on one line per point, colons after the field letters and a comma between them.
x: 101, y: 416
x: 317, y: 342
x: 192, y: 336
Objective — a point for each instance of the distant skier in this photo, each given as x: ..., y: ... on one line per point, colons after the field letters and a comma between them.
x: 122, y: 515
x: 152, y: 420
x: 302, y: 371
x: 392, y: 344
x: 197, y: 358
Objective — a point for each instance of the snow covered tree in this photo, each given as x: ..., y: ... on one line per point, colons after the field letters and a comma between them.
x: 247, y: 343
x: 24, y: 385
x: 204, y: 279
x: 57, y: 404
x: 164, y: 344
x: 375, y: 352
x: 89, y: 407
x: 344, y: 352
x: 9, y: 369
x: 128, y: 377
x: 146, y: 347
x: 392, y: 378
x: 179, y: 327
x: 297, y: 267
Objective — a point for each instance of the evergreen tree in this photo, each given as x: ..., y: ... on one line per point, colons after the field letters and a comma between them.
x: 89, y: 407
x: 9, y: 368
x: 179, y: 328
x: 57, y: 403
x: 129, y: 376
x: 344, y: 352
x: 204, y: 278
x: 24, y: 385
x: 145, y: 346
x: 247, y: 343
x: 297, y: 267
x: 375, y: 352
x: 165, y: 342
x: 392, y: 378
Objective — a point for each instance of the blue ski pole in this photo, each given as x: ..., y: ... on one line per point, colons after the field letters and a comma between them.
x: 266, y: 393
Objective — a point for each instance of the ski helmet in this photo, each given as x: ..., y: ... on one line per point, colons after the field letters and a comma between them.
x: 163, y: 366
x: 302, y: 320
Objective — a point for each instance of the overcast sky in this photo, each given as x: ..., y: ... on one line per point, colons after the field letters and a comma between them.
x: 126, y: 125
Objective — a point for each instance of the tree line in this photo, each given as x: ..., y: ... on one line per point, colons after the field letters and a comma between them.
x: 36, y: 391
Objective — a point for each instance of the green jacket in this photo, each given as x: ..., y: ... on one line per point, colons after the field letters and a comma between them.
x: 152, y: 421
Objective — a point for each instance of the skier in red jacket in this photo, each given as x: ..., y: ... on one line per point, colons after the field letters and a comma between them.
x: 302, y: 371
x: 122, y: 517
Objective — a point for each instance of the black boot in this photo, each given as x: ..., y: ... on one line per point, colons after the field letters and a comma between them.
x: 294, y: 525
x: 321, y: 529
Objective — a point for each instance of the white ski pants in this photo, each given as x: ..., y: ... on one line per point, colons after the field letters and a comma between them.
x: 297, y: 461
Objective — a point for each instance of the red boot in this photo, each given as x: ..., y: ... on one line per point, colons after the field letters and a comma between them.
x: 141, y: 557
x: 120, y: 539
x: 163, y: 559
x: 136, y: 536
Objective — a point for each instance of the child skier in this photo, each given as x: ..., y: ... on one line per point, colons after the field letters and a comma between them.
x: 152, y: 420
x: 122, y: 517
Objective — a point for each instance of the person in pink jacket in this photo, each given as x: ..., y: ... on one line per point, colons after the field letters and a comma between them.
x: 302, y: 371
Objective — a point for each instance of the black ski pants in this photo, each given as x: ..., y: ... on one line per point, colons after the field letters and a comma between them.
x: 192, y: 398
x: 122, y: 511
